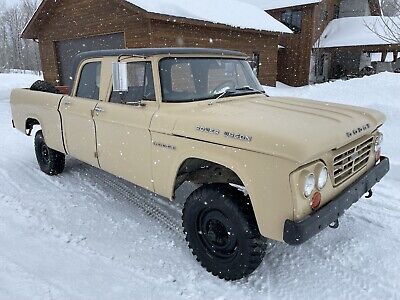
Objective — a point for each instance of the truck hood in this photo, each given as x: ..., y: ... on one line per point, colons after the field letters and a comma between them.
x: 296, y: 129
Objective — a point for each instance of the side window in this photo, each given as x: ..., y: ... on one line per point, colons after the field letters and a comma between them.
x: 140, y: 85
x: 89, y: 82
x: 292, y: 19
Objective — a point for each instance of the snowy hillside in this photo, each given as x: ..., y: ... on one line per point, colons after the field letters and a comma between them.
x: 88, y: 235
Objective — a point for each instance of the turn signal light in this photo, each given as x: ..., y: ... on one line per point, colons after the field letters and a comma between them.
x: 316, y: 201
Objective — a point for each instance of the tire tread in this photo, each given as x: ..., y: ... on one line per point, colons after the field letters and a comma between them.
x: 235, y: 200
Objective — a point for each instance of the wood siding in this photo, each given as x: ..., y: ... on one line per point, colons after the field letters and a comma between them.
x: 294, y: 61
x: 181, y: 35
x: 71, y: 19
x: 294, y: 58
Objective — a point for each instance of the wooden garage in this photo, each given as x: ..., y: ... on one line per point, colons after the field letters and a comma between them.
x: 65, y: 28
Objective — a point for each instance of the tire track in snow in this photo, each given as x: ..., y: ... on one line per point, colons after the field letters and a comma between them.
x: 12, y: 273
x: 67, y: 242
x: 164, y: 213
x: 5, y: 177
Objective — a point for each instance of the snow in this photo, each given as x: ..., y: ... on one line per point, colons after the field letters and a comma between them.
x: 228, y: 12
x: 378, y: 92
x: 88, y: 235
x: 276, y: 4
x: 356, y: 31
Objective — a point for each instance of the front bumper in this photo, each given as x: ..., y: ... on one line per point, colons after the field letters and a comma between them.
x: 298, y: 233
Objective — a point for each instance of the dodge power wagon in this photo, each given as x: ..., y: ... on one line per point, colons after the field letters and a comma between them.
x: 263, y: 167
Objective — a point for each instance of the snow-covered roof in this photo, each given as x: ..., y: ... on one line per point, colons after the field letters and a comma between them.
x: 275, y: 4
x: 232, y: 13
x: 227, y: 12
x: 355, y: 31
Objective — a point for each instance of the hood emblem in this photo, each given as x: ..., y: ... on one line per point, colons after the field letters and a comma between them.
x: 227, y: 134
x: 358, y: 130
x: 208, y: 130
x: 238, y: 136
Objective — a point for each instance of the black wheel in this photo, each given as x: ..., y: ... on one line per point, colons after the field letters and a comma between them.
x: 44, y: 86
x: 222, y: 231
x: 50, y: 161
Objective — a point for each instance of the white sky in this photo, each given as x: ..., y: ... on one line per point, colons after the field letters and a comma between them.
x: 10, y: 2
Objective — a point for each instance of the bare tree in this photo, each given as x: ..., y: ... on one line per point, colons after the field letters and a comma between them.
x: 390, y: 7
x: 387, y: 27
x: 16, y: 53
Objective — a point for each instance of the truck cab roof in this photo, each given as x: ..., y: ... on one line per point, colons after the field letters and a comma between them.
x: 147, y: 52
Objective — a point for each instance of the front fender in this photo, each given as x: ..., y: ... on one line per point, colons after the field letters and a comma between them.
x: 266, y: 178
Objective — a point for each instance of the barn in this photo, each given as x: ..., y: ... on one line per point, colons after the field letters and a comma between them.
x: 65, y: 28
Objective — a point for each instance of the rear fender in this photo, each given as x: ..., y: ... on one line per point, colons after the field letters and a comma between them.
x: 31, y: 108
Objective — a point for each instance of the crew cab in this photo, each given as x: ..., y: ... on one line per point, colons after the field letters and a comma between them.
x: 265, y: 167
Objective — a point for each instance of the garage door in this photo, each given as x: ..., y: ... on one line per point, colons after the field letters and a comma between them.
x: 67, y: 50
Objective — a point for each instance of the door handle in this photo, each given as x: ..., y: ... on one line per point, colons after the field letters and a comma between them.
x: 67, y: 103
x: 99, y: 110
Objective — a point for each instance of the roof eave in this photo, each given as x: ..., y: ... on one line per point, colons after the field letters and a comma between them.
x: 368, y: 48
x: 293, y: 6
x: 30, y: 32
x: 182, y: 20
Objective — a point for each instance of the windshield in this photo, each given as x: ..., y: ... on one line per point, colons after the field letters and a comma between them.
x: 196, y: 79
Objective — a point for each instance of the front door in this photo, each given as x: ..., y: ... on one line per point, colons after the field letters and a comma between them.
x: 78, y: 125
x: 122, y: 126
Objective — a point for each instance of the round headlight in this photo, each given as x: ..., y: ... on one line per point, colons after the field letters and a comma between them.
x: 309, y: 185
x: 323, y: 178
x: 378, y: 141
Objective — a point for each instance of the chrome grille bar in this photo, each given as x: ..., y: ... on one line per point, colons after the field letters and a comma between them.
x: 351, y: 160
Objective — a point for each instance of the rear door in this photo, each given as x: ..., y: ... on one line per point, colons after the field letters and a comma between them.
x: 122, y: 128
x: 77, y: 113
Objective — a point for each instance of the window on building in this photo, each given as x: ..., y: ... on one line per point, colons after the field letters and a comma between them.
x: 255, y: 63
x: 89, y: 82
x: 324, y: 12
x: 336, y: 11
x: 140, y: 85
x: 320, y: 65
x: 292, y: 19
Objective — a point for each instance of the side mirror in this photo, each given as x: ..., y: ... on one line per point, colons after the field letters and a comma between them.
x: 120, y: 76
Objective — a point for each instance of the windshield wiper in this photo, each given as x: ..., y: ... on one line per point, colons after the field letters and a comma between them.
x: 222, y: 95
x: 248, y: 88
x: 230, y: 92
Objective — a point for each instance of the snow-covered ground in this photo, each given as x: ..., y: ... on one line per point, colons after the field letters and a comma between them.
x: 88, y: 235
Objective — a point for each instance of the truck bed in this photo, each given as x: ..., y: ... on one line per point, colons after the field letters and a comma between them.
x: 33, y: 107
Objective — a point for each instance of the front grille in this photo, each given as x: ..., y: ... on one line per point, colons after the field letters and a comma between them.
x: 351, y: 160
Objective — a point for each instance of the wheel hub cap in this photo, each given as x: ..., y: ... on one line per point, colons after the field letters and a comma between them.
x: 215, y: 233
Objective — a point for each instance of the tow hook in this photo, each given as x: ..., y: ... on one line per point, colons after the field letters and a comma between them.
x: 370, y: 193
x: 334, y: 225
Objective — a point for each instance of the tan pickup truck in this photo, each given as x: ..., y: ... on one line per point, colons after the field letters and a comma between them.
x: 266, y: 168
